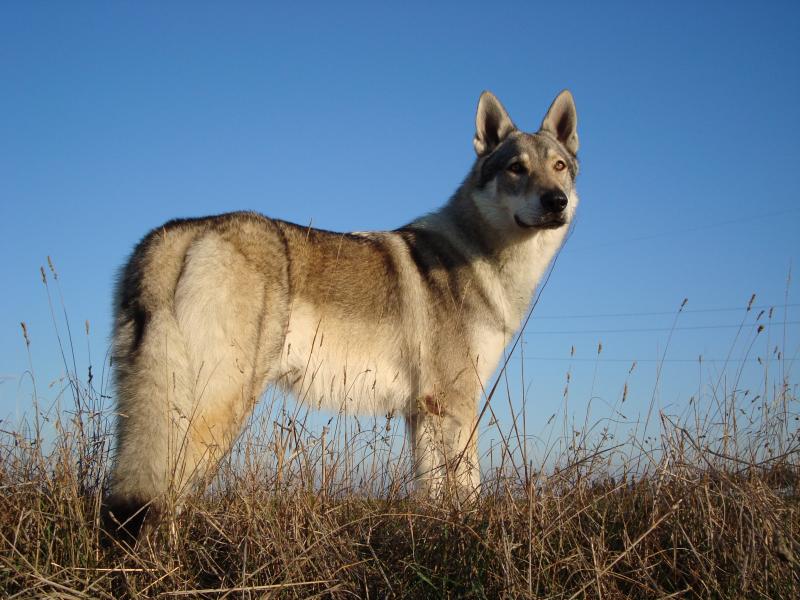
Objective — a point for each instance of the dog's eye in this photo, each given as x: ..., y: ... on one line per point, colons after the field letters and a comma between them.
x: 560, y: 165
x: 516, y: 168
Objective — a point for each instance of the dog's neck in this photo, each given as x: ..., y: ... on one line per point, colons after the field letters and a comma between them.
x: 523, y: 265
x: 517, y: 263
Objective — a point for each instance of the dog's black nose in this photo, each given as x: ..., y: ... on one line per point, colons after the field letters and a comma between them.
x: 554, y: 201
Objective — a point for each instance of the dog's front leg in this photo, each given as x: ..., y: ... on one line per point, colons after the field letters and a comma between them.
x: 445, y: 446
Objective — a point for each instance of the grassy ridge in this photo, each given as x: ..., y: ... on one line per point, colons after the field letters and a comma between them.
x: 707, y: 506
x: 695, y: 521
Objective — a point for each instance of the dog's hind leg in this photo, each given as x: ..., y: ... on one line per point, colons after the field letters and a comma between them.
x: 232, y: 310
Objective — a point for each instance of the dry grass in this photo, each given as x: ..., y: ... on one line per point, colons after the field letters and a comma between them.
x: 706, y: 507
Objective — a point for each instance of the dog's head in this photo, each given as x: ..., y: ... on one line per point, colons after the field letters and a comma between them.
x: 525, y: 182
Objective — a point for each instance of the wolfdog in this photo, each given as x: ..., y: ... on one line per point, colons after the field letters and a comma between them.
x: 210, y: 311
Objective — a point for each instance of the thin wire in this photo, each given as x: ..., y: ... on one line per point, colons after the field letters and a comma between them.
x: 738, y: 221
x: 655, y: 329
x: 699, y: 359
x: 663, y: 312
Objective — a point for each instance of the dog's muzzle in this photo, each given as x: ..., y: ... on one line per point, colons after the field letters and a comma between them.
x: 553, y: 204
x: 554, y: 201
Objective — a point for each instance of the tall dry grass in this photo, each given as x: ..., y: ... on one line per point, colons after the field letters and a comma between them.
x: 701, y: 504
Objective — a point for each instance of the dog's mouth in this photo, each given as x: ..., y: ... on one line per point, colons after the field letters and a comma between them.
x: 545, y: 222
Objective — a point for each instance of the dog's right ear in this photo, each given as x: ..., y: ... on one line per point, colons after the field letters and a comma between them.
x: 492, y: 124
x: 561, y: 121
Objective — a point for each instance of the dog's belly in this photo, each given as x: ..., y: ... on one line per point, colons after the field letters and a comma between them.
x: 344, y: 365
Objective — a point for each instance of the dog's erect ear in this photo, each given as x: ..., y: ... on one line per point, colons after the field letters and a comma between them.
x: 562, y: 121
x: 492, y: 124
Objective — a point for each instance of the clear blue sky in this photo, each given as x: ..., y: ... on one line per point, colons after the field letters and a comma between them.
x: 115, y: 117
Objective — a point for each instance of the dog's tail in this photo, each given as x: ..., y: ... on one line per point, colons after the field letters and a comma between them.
x: 153, y: 383
x: 192, y: 352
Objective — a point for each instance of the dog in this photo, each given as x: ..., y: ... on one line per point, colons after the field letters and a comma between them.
x: 210, y: 311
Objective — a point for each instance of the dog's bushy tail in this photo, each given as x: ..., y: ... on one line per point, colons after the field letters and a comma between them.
x: 192, y: 351
x: 153, y: 385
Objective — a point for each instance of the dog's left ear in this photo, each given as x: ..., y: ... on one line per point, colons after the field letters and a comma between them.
x: 492, y: 124
x: 562, y: 121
